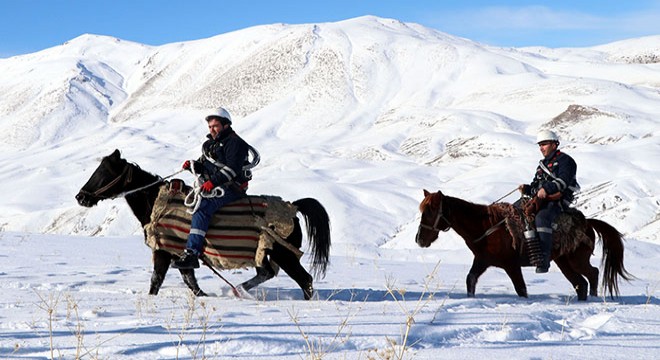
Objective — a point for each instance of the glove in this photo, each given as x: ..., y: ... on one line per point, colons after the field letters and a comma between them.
x: 192, y: 166
x: 532, y: 207
x: 208, y: 186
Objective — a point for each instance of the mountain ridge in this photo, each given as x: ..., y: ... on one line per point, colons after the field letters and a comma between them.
x: 362, y: 112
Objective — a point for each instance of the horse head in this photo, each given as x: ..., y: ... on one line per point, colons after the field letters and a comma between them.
x: 107, y: 181
x: 433, y: 219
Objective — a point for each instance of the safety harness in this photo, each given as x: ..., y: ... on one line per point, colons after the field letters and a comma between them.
x: 561, y: 184
x: 194, y: 197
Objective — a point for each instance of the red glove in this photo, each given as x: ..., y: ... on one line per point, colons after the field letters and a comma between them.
x: 208, y: 186
x: 186, y: 165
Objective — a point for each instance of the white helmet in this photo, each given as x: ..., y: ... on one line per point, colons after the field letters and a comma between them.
x: 547, y: 135
x: 222, y: 115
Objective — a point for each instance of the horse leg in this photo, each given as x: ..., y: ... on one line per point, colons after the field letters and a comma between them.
x: 290, y: 263
x: 161, y: 261
x: 578, y: 282
x: 264, y: 273
x: 516, y: 276
x: 188, y: 276
x: 478, y: 268
x: 580, y: 262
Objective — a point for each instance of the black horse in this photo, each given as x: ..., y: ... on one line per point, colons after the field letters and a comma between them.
x: 116, y: 177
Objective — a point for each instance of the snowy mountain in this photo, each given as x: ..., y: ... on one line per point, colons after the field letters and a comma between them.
x: 361, y: 114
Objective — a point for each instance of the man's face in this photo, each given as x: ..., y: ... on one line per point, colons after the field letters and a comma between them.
x: 547, y: 147
x: 215, y: 127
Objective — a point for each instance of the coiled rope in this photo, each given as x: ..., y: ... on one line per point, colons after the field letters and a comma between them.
x: 194, y: 198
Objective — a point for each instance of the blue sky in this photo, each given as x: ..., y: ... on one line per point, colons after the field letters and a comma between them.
x: 31, y: 25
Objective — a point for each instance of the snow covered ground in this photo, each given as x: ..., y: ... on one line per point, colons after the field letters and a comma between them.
x: 75, y: 296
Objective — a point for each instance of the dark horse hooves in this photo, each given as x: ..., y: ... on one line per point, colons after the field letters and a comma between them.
x: 308, y: 291
x: 200, y: 292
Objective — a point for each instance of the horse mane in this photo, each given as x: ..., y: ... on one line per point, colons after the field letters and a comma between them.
x: 455, y: 202
x: 115, y: 159
x: 141, y: 171
x: 426, y: 202
x: 141, y: 202
x: 465, y: 205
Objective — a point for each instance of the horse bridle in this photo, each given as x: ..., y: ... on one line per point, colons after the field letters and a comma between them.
x: 127, y: 172
x: 435, y: 227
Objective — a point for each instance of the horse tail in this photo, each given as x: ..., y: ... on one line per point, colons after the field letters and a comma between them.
x: 612, y: 261
x: 318, y: 232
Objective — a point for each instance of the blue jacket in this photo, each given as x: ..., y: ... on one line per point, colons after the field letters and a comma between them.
x: 223, y: 158
x: 563, y: 169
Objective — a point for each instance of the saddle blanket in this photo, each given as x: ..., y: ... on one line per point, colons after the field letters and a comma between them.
x: 570, y: 228
x: 238, y: 236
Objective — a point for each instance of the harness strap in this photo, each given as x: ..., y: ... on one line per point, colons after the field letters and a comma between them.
x: 224, y: 169
x: 561, y: 184
x: 491, y: 230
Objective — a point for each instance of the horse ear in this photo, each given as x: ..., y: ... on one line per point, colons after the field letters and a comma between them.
x: 116, y: 154
x: 426, y: 193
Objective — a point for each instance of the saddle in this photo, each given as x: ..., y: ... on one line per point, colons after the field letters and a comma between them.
x: 569, y: 228
x: 240, y: 233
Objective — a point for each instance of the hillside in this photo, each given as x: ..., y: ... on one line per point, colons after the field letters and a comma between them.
x: 361, y: 114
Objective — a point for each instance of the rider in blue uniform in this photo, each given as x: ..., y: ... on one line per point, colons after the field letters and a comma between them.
x: 220, y: 167
x: 554, y: 184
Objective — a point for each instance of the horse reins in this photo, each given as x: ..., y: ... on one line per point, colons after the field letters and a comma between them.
x: 490, y: 230
x: 494, y: 228
x: 507, y: 194
x: 440, y: 215
x: 128, y: 171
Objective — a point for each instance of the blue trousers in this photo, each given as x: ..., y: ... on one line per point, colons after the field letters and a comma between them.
x: 202, y: 218
x: 543, y: 222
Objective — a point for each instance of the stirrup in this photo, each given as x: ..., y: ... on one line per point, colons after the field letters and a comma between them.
x: 187, y: 261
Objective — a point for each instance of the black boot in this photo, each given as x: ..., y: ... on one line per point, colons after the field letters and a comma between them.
x: 546, y: 249
x: 187, y: 261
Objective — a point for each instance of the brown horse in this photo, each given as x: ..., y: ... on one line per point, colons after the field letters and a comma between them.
x: 486, y: 235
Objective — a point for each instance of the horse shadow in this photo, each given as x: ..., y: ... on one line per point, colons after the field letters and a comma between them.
x: 369, y: 295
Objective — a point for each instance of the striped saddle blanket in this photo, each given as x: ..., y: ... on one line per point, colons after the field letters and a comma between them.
x: 239, y: 234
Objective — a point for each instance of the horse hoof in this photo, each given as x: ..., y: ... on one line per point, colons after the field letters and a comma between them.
x: 308, y: 292
x: 522, y: 293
